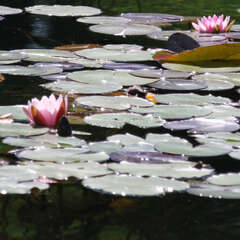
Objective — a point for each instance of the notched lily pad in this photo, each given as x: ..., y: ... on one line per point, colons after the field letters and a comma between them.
x: 201, y: 125
x: 115, y: 102
x: 63, y: 10
x: 118, y: 120
x: 125, y: 29
x: 134, y: 186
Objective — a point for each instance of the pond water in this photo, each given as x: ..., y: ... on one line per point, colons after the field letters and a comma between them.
x: 70, y: 211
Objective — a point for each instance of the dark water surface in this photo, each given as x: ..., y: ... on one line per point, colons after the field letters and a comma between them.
x: 70, y: 212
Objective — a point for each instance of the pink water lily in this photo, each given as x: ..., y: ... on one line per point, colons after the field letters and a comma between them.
x: 214, y: 24
x: 47, y: 111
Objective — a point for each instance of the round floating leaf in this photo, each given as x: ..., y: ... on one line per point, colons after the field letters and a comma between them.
x: 164, y: 35
x: 213, y: 191
x: 66, y: 155
x: 152, y: 17
x: 63, y: 65
x: 123, y: 47
x: 108, y: 77
x: 124, y: 29
x: 115, y: 102
x: 63, y: 10
x: 89, y: 63
x: 55, y: 77
x: 46, y: 55
x: 134, y: 186
x: 171, y: 170
x: 47, y: 140
x: 148, y: 157
x: 19, y: 129
x: 190, y: 99
x: 185, y: 148
x: 173, y: 111
x: 228, y: 179
x: 199, y: 125
x: 107, y: 147
x: 126, y: 66
x: 114, y: 55
x: 82, y: 88
x: 28, y: 71
x: 64, y: 171
x: 159, y: 74
x: 140, y: 146
x: 118, y: 120
x: 8, y: 55
x: 235, y: 154
x: 233, y: 78
x: 4, y: 10
x: 103, y: 20
x: 223, y: 111
x: 181, y: 84
x: 125, y: 139
x: 16, y: 111
x: 199, y: 69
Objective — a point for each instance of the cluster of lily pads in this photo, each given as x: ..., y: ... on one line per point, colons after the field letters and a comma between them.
x: 100, y: 81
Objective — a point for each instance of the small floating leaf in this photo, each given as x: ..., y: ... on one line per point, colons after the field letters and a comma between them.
x: 4, y: 10
x: 103, y: 20
x: 229, y: 179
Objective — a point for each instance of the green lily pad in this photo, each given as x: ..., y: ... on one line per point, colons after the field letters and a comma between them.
x: 190, y: 99
x: 171, y: 170
x: 116, y: 102
x: 118, y: 120
x: 123, y: 47
x: 134, y: 186
x: 46, y: 140
x: 63, y: 10
x: 235, y: 154
x: 108, y: 77
x: 64, y: 171
x: 125, y: 139
x: 213, y: 191
x: 116, y: 55
x: 107, y: 147
x: 103, y: 20
x: 229, y: 179
x: 66, y: 155
x: 82, y: 88
x: 173, y: 111
x: 16, y: 111
x: 4, y: 10
x: 199, y: 69
x: 124, y: 29
x: 223, y: 111
x: 19, y: 129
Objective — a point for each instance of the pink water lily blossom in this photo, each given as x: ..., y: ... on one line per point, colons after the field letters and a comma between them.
x: 47, y: 111
x: 214, y: 24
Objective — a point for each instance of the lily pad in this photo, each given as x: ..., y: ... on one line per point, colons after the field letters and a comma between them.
x: 190, y: 99
x: 123, y: 47
x: 126, y: 66
x: 118, y: 120
x: 28, y: 71
x: 124, y: 29
x: 64, y: 171
x: 229, y: 179
x: 106, y: 146
x: 114, y: 55
x: 152, y: 17
x: 148, y: 157
x: 173, y: 111
x: 199, y: 69
x: 108, y: 77
x: 19, y: 129
x: 103, y: 20
x: 63, y: 10
x: 200, y: 125
x: 66, y: 155
x: 82, y: 88
x: 46, y: 140
x: 115, y: 102
x: 213, y: 191
x: 16, y: 111
x: 235, y: 154
x: 171, y: 170
x: 183, y: 84
x: 125, y: 139
x: 134, y: 186
x: 4, y: 10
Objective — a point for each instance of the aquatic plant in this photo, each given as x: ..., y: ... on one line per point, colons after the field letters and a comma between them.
x: 47, y: 111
